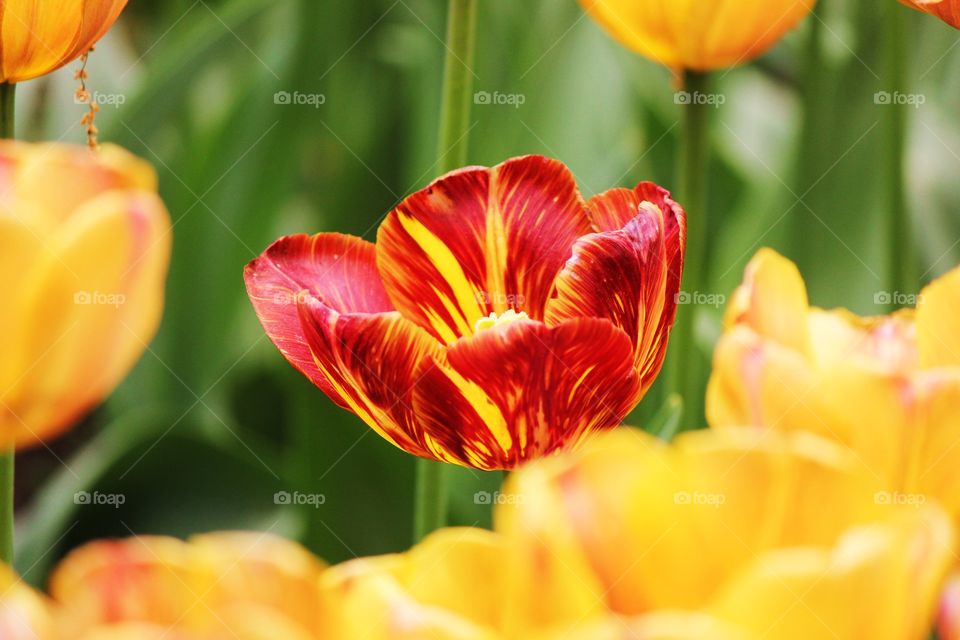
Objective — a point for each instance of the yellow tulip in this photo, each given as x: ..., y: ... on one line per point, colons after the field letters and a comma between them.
x: 697, y: 34
x: 237, y: 585
x: 40, y: 36
x: 886, y: 387
x: 84, y: 249
x: 946, y: 10
x: 764, y: 534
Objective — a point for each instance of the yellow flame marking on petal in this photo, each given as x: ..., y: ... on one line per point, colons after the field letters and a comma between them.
x: 488, y: 411
x: 466, y: 296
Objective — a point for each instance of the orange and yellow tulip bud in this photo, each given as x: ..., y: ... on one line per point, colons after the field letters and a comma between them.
x: 696, y: 34
x: 887, y: 387
x: 765, y: 534
x: 84, y: 248
x: 237, y: 585
x: 498, y: 318
x: 946, y: 10
x: 39, y: 36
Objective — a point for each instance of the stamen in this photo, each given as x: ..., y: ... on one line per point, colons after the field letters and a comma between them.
x: 495, y: 320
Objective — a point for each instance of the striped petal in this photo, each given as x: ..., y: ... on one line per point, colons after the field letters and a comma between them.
x: 369, y: 361
x: 628, y: 273
x: 524, y: 390
x: 480, y: 240
x: 338, y: 270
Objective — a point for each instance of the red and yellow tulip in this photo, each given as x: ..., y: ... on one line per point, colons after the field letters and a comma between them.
x: 887, y: 387
x: 84, y: 248
x: 946, y: 10
x: 39, y: 36
x: 498, y: 318
x: 698, y: 35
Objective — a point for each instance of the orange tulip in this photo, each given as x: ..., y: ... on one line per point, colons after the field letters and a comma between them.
x: 698, y: 34
x: 39, y: 36
x: 497, y: 319
x: 946, y: 10
x: 84, y: 247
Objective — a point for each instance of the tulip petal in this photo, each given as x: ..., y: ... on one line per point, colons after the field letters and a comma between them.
x: 946, y: 10
x: 24, y: 614
x: 938, y: 324
x: 772, y: 301
x: 478, y: 241
x: 629, y: 273
x: 338, y: 270
x: 524, y: 390
x: 897, y: 567
x: 370, y: 363
x: 40, y: 37
x: 90, y: 319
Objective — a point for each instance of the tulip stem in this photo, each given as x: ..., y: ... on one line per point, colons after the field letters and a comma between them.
x: 687, y: 369
x: 458, y: 77
x: 8, y: 93
x: 430, y: 499
x: 900, y: 278
x: 6, y: 506
x: 7, y: 98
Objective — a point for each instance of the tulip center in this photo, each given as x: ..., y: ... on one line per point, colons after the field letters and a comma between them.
x: 499, y: 320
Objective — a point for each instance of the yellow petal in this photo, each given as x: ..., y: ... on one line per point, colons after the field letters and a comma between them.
x: 880, y: 581
x: 938, y: 323
x: 92, y: 304
x: 364, y: 600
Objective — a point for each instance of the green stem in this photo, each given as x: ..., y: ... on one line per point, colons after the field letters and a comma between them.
x: 457, y: 85
x: 7, y: 100
x: 6, y: 506
x: 8, y: 93
x: 900, y: 277
x: 430, y: 500
x: 686, y: 360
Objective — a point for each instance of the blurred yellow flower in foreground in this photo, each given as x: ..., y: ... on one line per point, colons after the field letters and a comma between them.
x: 729, y: 534
x: 887, y: 387
x: 39, y: 36
x: 249, y: 586
x: 946, y: 10
x: 698, y: 35
x: 84, y: 248
x: 24, y: 614
x: 750, y: 534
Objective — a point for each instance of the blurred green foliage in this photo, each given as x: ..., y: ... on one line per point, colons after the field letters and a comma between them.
x: 213, y: 422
